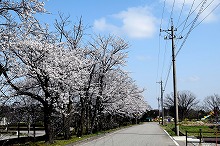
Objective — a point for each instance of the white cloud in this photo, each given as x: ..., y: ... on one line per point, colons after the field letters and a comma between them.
x: 136, y: 22
x: 102, y: 25
x: 210, y: 4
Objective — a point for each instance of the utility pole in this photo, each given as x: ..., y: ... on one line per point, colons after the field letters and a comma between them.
x: 172, y: 37
x: 161, y: 99
x: 158, y: 99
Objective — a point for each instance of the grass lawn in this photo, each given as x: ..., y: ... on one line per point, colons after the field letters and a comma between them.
x: 169, y: 128
x: 73, y: 139
x: 60, y: 142
x: 205, y: 130
x: 193, y: 130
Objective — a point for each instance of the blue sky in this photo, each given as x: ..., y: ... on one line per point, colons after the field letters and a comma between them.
x: 139, y: 23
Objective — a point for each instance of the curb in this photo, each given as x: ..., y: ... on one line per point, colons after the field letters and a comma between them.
x: 171, y: 138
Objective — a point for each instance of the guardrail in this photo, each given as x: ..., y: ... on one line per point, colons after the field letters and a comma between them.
x: 20, y: 133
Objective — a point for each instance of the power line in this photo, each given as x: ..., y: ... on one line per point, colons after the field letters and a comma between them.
x: 164, y: 58
x: 158, y: 63
x: 171, y: 14
x: 164, y: 4
x: 158, y: 57
x: 208, y: 15
x: 201, y: 12
x: 192, y: 26
x: 186, y: 20
x: 180, y: 13
x: 189, y: 14
x: 202, y: 9
x: 168, y: 74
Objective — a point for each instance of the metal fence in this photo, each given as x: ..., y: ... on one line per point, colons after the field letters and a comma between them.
x: 202, y: 138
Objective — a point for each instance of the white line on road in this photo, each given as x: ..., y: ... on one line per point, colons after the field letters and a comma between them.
x: 171, y: 138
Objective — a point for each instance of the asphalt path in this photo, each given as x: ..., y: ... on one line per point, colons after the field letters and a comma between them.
x: 148, y: 134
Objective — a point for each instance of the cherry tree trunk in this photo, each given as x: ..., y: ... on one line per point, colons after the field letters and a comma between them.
x: 66, y: 126
x: 49, y: 130
x: 82, y: 119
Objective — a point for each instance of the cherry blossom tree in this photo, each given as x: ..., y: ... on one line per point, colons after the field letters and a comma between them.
x: 63, y: 73
x: 10, y: 10
x: 37, y: 65
x: 124, y: 98
x: 25, y: 9
x: 110, y: 54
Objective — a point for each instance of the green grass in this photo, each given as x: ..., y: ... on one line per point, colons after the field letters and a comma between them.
x: 61, y: 142
x: 194, y: 131
x: 64, y: 142
x: 169, y: 128
x: 73, y: 139
x: 207, y: 131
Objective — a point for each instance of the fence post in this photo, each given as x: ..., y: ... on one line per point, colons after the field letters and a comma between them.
x: 34, y: 131
x: 200, y: 135
x: 186, y: 138
x: 18, y: 129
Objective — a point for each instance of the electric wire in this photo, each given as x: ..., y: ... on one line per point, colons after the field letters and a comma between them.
x: 192, y: 26
x: 171, y: 14
x: 180, y: 16
x: 189, y: 14
x: 208, y: 15
x: 158, y: 63
x: 181, y: 13
x: 184, y: 22
x: 164, y: 4
x: 201, y: 12
x: 193, y: 21
x: 170, y: 66
x: 168, y: 75
x: 158, y: 57
x: 164, y: 58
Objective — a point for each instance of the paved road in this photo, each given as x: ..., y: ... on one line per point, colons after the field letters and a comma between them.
x: 148, y: 134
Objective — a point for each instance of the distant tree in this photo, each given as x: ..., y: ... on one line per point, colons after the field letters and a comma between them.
x: 186, y: 102
x: 197, y: 112
x: 212, y: 101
